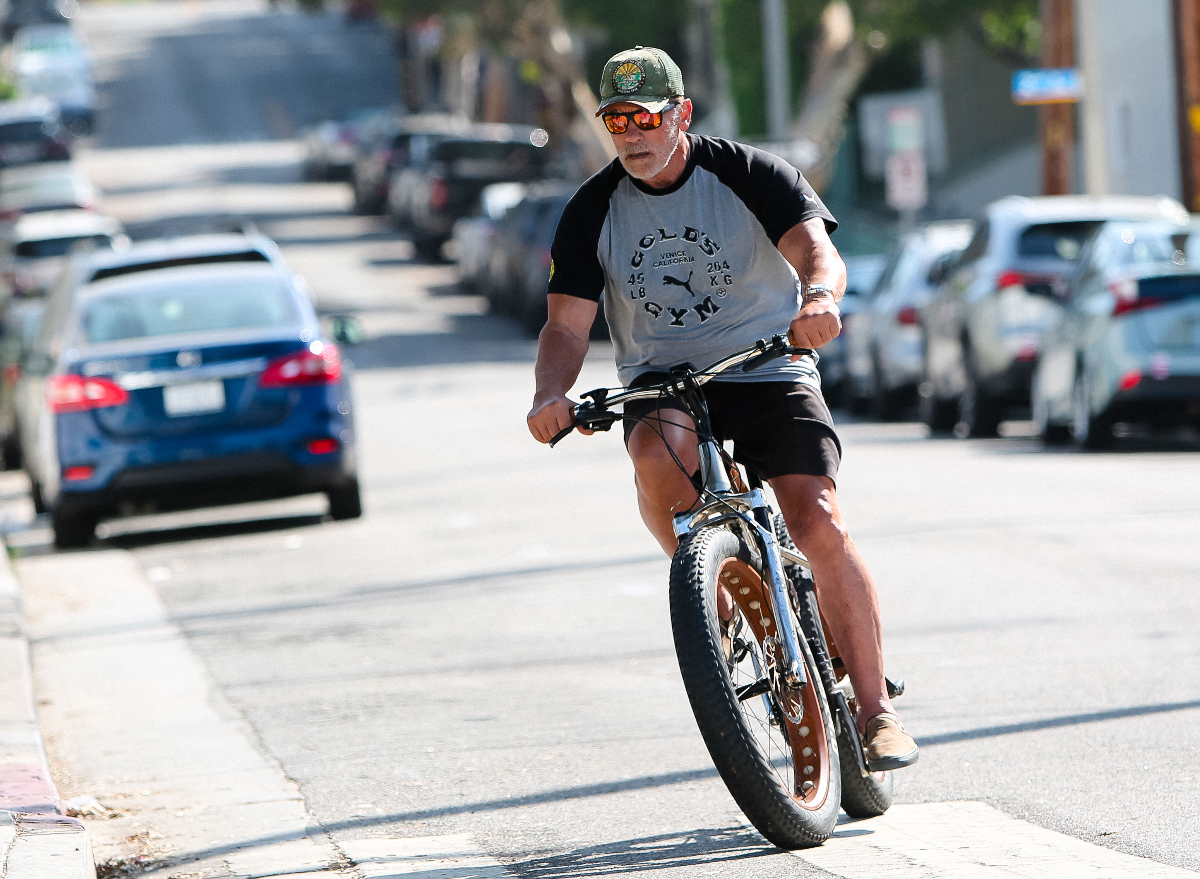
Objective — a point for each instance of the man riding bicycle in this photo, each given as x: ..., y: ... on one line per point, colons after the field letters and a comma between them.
x: 700, y: 246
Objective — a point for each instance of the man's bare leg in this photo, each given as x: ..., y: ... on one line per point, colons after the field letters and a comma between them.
x: 663, y: 488
x: 844, y: 587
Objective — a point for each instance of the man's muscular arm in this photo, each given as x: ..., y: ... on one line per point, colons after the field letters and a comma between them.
x: 562, y: 345
x: 808, y: 248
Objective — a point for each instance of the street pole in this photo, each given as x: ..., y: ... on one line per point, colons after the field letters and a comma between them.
x: 777, y: 72
x: 1057, y: 121
x: 1187, y: 67
x: 1095, y: 159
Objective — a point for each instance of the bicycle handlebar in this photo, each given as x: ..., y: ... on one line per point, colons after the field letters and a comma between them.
x: 595, y: 414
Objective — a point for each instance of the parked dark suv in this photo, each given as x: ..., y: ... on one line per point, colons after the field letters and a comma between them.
x: 458, y: 170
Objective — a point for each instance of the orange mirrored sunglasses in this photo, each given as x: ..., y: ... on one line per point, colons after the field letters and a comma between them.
x: 618, y: 123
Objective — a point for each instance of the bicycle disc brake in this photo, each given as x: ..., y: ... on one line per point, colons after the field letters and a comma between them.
x: 786, y: 697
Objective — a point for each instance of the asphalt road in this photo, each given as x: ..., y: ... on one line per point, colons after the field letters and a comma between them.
x: 488, y: 650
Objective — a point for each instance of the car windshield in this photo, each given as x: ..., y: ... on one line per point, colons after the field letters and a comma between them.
x: 489, y: 159
x: 194, y: 306
x: 1061, y: 241
x: 1152, y: 244
x: 45, y: 247
x: 48, y: 43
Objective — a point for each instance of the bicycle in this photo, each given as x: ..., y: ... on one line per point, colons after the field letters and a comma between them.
x: 765, y: 682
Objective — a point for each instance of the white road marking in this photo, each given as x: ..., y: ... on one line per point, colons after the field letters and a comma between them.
x: 445, y: 857
x: 969, y: 840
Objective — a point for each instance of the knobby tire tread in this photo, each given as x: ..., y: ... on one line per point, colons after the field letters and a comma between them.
x: 747, y: 775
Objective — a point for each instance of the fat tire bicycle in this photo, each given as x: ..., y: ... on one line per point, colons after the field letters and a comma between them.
x: 766, y: 684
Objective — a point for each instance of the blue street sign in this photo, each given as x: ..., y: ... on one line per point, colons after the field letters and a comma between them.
x: 1048, y: 85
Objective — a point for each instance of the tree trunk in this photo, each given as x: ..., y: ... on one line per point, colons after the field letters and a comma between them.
x: 840, y: 61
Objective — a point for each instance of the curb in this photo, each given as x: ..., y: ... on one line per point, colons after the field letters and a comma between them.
x: 36, y: 838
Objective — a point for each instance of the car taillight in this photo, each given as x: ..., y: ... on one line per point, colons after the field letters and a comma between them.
x: 1130, y: 380
x: 318, y: 364
x: 1128, y: 298
x: 75, y: 393
x: 907, y: 316
x: 1009, y: 278
x: 74, y: 474
x: 324, y: 446
x: 439, y: 193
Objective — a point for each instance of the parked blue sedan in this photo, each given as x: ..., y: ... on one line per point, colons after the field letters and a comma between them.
x: 175, y: 376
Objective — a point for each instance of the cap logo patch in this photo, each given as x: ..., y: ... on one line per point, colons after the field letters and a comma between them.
x: 628, y: 78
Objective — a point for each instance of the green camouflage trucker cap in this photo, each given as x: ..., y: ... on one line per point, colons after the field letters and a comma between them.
x: 642, y: 75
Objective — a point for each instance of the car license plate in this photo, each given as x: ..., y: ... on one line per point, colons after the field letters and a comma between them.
x: 194, y: 398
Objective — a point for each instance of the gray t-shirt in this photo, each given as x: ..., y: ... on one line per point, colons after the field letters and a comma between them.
x: 690, y: 273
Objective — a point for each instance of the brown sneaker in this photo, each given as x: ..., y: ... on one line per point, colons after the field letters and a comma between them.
x: 887, y: 745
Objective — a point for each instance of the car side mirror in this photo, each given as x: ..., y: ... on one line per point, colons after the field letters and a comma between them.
x: 346, y: 330
x: 940, y: 270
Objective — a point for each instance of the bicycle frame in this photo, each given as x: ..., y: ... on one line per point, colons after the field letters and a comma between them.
x: 749, y: 508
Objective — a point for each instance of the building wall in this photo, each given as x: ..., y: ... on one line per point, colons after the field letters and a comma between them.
x: 1134, y: 81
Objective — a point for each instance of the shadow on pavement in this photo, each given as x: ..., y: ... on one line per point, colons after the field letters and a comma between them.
x: 700, y: 848
x: 989, y: 732
x: 647, y: 853
x: 138, y: 539
x: 474, y: 338
x: 250, y: 78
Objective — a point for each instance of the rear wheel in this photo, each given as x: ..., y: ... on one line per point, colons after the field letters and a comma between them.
x: 774, y: 745
x: 11, y: 451
x: 978, y: 412
x: 72, y: 529
x: 345, y: 501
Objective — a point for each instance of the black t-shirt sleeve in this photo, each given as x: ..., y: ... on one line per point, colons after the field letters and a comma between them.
x: 774, y: 191
x: 575, y: 268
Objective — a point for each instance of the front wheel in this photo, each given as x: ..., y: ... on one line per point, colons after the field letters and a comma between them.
x: 774, y: 746
x: 863, y: 796
x: 345, y: 501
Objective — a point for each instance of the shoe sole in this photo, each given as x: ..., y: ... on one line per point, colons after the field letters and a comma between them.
x: 887, y: 764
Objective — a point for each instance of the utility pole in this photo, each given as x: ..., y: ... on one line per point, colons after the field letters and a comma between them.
x: 1187, y: 72
x: 1057, y: 121
x: 776, y: 70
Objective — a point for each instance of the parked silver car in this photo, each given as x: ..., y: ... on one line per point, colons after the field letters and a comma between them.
x: 862, y: 274
x: 885, y: 343
x: 1127, y: 346
x: 984, y: 324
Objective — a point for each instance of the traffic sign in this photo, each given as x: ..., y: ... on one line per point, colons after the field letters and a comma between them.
x: 1047, y: 85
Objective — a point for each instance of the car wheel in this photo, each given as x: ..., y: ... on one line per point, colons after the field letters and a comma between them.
x: 11, y: 452
x: 345, y: 501
x: 1051, y: 434
x: 938, y: 414
x: 35, y: 495
x: 1091, y: 431
x: 428, y: 248
x: 72, y: 530
x: 978, y: 412
x: 885, y: 403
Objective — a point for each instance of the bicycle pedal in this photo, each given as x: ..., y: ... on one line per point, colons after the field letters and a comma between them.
x: 894, y: 688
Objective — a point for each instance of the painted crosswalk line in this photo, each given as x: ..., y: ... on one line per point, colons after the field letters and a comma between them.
x: 970, y: 840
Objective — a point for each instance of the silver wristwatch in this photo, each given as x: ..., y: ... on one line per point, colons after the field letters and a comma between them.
x: 816, y: 291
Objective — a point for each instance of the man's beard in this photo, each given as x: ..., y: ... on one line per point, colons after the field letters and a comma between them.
x: 660, y: 165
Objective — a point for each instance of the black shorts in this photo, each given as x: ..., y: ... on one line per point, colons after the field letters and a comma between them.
x: 778, y: 428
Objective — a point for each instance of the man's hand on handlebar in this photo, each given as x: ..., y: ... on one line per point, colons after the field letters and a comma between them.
x: 551, y: 416
x: 816, y: 324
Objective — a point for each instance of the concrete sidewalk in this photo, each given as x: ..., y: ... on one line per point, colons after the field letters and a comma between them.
x: 36, y: 838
